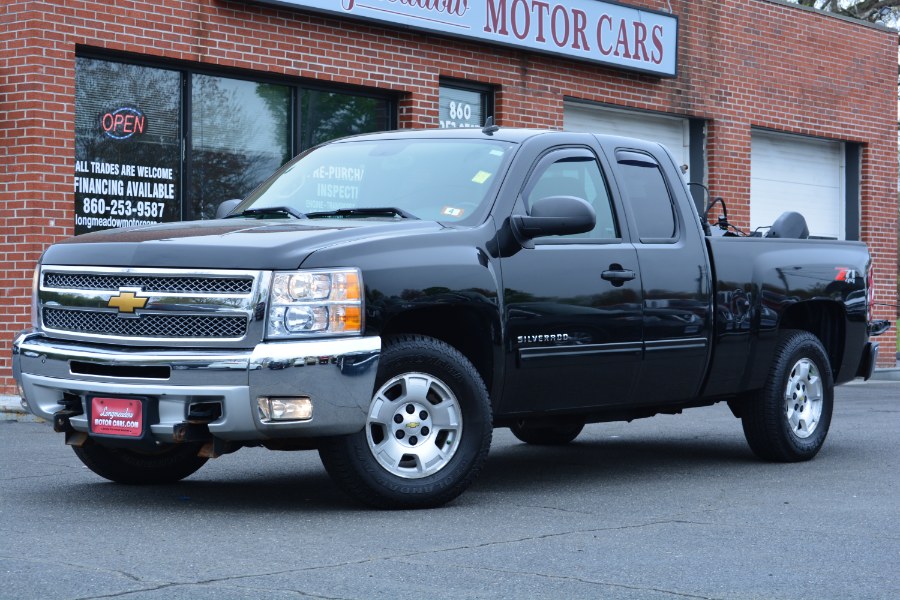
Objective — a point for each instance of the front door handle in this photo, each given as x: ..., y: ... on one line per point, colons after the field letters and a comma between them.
x: 617, y: 275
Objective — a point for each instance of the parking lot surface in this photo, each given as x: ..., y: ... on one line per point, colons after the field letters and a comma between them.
x: 663, y: 508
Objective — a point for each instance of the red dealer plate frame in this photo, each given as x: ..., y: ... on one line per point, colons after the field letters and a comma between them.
x: 117, y: 417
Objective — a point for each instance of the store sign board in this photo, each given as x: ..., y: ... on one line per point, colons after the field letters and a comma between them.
x: 602, y: 32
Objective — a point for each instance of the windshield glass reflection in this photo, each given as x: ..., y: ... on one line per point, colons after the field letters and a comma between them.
x: 434, y: 179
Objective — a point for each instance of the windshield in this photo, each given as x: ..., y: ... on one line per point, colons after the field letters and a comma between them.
x: 434, y: 179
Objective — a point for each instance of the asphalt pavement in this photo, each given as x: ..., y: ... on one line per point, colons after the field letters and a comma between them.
x: 671, y: 507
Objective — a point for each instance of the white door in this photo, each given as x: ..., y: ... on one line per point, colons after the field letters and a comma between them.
x: 671, y: 132
x: 796, y: 173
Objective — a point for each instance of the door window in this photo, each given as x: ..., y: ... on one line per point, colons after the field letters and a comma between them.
x: 648, y: 196
x: 576, y: 175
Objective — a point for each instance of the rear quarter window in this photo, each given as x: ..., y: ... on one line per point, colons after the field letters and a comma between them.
x: 650, y: 201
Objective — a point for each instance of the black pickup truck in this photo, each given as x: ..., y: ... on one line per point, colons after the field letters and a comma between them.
x: 389, y: 299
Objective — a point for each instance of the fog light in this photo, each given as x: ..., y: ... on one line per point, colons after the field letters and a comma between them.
x: 285, y: 409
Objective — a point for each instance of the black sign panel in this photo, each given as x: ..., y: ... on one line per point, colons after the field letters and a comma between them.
x: 127, y: 145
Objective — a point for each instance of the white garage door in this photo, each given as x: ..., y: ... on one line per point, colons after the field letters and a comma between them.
x: 672, y: 132
x: 806, y: 175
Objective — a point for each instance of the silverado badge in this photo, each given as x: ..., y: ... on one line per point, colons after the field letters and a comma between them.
x: 126, y: 302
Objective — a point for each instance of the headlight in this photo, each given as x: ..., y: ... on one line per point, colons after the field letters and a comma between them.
x: 315, y: 303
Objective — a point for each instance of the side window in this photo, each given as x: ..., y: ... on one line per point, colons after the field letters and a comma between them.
x: 578, y: 176
x: 648, y: 196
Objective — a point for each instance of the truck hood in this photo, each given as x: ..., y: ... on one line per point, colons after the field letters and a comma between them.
x: 224, y: 244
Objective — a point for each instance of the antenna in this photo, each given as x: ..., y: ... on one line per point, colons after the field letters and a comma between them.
x: 489, y: 127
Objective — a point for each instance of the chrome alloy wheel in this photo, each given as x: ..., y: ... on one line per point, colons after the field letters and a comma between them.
x: 803, y: 398
x: 414, y: 425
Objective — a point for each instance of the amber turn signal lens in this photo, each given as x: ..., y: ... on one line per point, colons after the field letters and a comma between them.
x: 346, y: 319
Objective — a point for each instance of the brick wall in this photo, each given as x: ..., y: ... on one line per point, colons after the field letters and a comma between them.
x: 742, y: 64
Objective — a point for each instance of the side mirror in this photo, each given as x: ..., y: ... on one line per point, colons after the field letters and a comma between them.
x: 224, y: 209
x: 555, y: 215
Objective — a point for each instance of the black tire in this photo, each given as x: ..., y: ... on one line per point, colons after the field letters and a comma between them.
x: 168, y: 465
x: 387, y: 465
x: 788, y: 419
x: 546, y: 433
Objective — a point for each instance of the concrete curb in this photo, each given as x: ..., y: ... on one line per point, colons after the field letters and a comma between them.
x: 11, y: 410
x: 890, y: 374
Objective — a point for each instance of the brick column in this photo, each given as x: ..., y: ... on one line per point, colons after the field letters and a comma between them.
x: 37, y: 96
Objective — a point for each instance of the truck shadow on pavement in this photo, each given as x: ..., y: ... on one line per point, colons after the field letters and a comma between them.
x: 512, y: 468
x: 517, y: 467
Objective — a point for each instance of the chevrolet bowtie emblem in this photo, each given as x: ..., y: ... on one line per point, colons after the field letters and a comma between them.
x: 126, y: 302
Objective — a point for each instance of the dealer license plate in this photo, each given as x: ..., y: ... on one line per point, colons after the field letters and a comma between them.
x: 117, y: 416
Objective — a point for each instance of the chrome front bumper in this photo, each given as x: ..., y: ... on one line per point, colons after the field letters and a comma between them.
x: 338, y: 375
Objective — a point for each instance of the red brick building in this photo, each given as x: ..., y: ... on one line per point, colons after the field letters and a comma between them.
x: 175, y: 105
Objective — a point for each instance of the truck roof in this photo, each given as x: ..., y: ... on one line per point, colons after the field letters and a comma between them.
x: 511, y: 134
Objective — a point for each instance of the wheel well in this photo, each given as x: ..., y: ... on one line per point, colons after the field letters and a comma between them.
x: 825, y: 320
x: 466, y: 330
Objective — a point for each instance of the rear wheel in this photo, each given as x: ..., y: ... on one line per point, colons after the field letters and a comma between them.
x: 788, y: 419
x: 546, y: 433
x: 428, y: 429
x: 167, y: 465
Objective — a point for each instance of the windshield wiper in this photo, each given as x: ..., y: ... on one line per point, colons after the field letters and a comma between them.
x: 385, y: 211
x: 269, y: 210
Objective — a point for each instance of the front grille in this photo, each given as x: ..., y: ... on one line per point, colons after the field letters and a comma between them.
x: 150, y: 283
x: 220, y: 307
x: 147, y: 326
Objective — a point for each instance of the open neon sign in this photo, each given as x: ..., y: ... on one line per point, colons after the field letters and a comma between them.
x: 123, y: 123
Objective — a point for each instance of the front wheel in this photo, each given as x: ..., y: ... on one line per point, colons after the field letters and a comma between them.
x: 166, y: 465
x: 428, y: 429
x: 788, y: 419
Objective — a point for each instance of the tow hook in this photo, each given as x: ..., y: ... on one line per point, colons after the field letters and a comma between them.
x: 71, y: 408
x: 61, y: 422
x: 190, y: 432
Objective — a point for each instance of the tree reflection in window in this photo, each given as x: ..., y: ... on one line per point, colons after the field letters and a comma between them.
x: 329, y: 115
x: 240, y: 135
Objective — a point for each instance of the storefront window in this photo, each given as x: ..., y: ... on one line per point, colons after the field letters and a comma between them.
x: 330, y: 115
x: 131, y: 123
x: 463, y: 106
x: 127, y: 145
x: 240, y: 134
